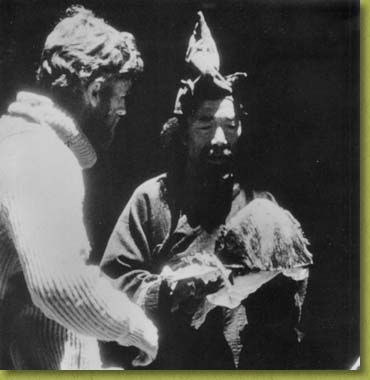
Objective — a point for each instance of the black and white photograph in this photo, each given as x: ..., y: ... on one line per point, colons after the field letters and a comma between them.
x: 179, y: 185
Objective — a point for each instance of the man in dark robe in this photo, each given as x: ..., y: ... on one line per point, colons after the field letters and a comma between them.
x: 162, y: 250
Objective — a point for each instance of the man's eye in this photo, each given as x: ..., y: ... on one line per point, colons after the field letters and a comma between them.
x: 231, y: 126
x: 205, y: 127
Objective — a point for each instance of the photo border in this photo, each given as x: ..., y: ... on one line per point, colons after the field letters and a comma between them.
x: 364, y: 372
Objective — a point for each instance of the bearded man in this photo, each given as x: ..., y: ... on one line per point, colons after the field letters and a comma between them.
x: 162, y: 251
x: 53, y: 305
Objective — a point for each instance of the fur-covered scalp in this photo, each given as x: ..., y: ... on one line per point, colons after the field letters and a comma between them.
x: 81, y: 47
x: 263, y: 236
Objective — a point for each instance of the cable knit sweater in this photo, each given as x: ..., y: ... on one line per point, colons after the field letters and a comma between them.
x: 44, y: 245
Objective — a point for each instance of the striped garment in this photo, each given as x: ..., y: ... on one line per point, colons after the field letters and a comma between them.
x: 43, y: 249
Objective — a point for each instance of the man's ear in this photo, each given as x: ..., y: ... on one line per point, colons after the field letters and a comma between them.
x: 93, y: 92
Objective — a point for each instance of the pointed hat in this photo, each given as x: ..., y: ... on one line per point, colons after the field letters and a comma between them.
x: 202, y: 61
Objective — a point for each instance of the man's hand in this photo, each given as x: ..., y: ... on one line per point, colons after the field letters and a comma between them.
x: 147, y: 353
x: 146, y: 342
x: 191, y: 276
x: 187, y: 294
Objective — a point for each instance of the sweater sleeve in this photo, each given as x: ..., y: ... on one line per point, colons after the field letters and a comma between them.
x: 41, y: 195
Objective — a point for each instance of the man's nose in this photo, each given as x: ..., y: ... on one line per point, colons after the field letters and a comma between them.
x: 219, y: 137
x: 121, y: 107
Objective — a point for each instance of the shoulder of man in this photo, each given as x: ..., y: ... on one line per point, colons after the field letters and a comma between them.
x: 16, y: 125
x: 34, y: 136
x: 152, y: 189
x: 28, y: 149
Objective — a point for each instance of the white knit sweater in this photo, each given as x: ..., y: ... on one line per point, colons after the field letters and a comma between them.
x: 42, y: 235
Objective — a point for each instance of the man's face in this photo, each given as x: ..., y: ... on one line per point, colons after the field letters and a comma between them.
x: 213, y: 132
x: 107, y: 105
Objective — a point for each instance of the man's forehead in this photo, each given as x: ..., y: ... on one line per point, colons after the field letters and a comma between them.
x: 217, y: 108
x: 116, y: 81
x: 115, y: 76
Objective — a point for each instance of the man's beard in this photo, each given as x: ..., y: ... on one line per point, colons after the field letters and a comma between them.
x: 94, y: 125
x: 213, y: 188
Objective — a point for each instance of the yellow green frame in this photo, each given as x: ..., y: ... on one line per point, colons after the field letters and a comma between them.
x: 364, y: 372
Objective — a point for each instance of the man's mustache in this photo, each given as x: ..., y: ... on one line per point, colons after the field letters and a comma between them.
x: 217, y: 152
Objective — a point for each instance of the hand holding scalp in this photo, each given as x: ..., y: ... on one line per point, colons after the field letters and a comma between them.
x: 191, y: 276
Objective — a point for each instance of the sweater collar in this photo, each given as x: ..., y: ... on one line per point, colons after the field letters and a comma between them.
x: 40, y: 109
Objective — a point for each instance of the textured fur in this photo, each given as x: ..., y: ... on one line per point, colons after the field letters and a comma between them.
x: 263, y: 236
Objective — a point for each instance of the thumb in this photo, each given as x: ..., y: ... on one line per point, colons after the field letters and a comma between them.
x: 142, y: 360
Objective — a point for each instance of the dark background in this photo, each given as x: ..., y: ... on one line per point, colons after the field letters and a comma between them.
x: 300, y: 141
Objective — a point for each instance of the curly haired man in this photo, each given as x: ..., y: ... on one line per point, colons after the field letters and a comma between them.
x: 53, y: 306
